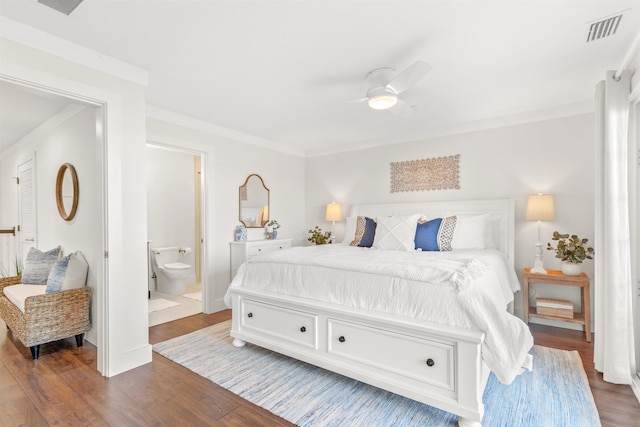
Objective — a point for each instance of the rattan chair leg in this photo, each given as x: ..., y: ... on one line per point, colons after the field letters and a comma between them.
x: 79, y: 339
x: 35, y: 351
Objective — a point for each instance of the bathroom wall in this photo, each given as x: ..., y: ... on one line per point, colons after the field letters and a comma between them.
x: 170, y: 201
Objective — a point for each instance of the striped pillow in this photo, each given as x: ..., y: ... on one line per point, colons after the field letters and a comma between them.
x: 38, y: 264
x: 359, y: 232
x: 67, y: 273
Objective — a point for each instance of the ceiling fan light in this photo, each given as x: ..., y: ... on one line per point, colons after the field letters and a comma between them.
x: 382, y: 101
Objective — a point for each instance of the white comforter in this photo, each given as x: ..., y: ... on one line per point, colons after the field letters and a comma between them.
x: 467, y: 289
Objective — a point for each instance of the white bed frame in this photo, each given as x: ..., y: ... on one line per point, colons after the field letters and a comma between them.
x: 438, y: 365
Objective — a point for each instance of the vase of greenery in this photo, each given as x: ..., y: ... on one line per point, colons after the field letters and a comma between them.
x: 572, y: 250
x: 318, y: 237
x: 272, y: 229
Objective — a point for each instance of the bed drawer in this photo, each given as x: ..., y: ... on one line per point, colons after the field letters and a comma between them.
x: 424, y: 360
x: 280, y: 323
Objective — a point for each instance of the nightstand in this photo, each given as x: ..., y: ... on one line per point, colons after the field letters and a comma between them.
x: 555, y: 277
x: 242, y: 250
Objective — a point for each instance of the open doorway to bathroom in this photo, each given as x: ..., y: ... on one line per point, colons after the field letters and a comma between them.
x: 174, y: 226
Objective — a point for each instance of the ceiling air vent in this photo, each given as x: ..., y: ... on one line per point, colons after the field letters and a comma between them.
x: 604, y: 27
x: 63, y: 6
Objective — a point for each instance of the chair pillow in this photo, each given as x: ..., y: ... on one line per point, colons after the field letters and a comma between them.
x: 69, y: 272
x: 38, y: 264
x: 18, y: 294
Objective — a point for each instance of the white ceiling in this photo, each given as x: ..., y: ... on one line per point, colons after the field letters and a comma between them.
x: 286, y: 71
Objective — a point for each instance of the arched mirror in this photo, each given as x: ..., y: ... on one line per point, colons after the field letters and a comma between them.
x: 254, y: 202
x: 67, y: 191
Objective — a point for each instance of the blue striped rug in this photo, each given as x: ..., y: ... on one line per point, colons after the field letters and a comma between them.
x: 556, y: 393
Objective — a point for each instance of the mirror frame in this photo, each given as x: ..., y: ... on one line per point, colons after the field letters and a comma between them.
x: 246, y: 181
x: 67, y: 216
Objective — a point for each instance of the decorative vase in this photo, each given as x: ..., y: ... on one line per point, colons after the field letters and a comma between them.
x: 275, y: 234
x: 571, y: 268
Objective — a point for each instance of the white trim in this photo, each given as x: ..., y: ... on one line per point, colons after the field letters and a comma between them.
x: 167, y: 116
x: 635, y: 386
x: 626, y: 60
x: 38, y: 39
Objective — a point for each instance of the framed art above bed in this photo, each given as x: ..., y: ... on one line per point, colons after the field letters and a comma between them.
x: 428, y: 325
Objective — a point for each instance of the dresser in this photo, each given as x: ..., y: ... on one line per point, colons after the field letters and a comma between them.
x: 243, y: 250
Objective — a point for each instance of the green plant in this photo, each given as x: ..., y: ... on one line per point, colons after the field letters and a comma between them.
x: 273, y: 224
x: 571, y: 248
x: 318, y: 236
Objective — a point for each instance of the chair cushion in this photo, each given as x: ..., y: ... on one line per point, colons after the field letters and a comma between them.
x: 17, y: 294
x: 37, y: 265
x: 67, y: 273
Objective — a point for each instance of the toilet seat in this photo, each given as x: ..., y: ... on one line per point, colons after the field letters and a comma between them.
x: 176, y: 266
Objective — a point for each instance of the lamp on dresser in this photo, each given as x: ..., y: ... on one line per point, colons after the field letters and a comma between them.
x: 539, y: 208
x: 333, y: 214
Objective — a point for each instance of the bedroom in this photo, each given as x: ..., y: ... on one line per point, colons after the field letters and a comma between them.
x: 516, y: 151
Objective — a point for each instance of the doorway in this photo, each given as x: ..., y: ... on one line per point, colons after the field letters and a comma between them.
x: 174, y: 226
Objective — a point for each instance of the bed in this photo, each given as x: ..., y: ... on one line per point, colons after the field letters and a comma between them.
x: 427, y: 325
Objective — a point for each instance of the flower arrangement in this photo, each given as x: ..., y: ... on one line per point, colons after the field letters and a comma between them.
x: 319, y: 237
x: 571, y: 248
x: 273, y: 224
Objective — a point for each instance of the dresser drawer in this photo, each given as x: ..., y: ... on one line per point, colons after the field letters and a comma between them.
x: 281, y: 323
x: 416, y: 358
x: 260, y: 248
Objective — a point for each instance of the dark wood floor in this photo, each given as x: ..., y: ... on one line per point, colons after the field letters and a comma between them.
x: 64, y: 388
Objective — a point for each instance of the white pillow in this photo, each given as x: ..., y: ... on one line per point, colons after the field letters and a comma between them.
x: 396, y: 233
x: 350, y: 229
x: 470, y: 232
x: 68, y: 273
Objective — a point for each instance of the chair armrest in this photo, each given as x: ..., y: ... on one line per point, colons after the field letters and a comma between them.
x: 8, y: 281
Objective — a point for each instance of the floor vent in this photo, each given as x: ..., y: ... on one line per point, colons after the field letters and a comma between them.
x: 63, y: 6
x: 604, y: 28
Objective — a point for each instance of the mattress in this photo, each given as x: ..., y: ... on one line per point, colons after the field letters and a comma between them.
x: 468, y: 289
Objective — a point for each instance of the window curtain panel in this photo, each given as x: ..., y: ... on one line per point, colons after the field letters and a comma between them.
x: 614, y: 351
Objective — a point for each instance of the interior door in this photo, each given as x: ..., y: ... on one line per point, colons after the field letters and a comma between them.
x: 27, y: 207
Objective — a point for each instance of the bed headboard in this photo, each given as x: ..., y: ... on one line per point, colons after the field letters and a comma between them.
x: 500, y: 214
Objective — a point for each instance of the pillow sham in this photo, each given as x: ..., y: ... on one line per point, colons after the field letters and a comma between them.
x: 67, y: 273
x: 37, y: 265
x: 350, y: 229
x: 369, y: 233
x: 396, y: 233
x: 470, y: 232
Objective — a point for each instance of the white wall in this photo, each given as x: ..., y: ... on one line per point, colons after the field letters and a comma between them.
x: 70, y: 137
x: 227, y: 164
x: 554, y: 156
x: 171, y: 200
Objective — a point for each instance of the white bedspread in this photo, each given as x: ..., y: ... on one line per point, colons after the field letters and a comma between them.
x: 467, y: 289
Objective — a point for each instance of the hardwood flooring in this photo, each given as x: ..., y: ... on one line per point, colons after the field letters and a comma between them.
x: 64, y: 388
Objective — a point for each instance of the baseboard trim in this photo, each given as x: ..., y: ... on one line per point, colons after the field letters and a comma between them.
x: 635, y: 386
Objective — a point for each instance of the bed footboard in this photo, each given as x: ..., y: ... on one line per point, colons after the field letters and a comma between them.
x: 438, y: 365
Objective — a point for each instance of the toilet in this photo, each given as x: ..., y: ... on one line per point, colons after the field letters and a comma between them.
x: 172, y: 275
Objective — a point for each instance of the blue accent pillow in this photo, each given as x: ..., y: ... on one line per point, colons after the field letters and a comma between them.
x: 427, y: 235
x: 369, y: 233
x: 38, y: 264
x: 56, y: 275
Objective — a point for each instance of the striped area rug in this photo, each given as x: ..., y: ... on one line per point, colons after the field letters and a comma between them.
x: 556, y: 393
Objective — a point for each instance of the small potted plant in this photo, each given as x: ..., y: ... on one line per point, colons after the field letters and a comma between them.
x: 572, y: 250
x: 318, y: 237
x: 272, y: 229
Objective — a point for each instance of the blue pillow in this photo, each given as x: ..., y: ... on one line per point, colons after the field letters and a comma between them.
x: 56, y: 275
x: 369, y: 233
x: 427, y: 235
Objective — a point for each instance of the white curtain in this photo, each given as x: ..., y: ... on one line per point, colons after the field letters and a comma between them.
x: 613, y: 343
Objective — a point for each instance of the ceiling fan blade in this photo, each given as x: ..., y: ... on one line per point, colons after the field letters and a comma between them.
x: 409, y: 77
x: 353, y: 101
x: 401, y: 109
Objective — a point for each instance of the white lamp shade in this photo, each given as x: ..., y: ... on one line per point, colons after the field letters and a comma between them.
x: 540, y: 208
x: 334, y: 212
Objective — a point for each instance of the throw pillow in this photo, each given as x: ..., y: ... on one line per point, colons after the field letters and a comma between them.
x: 69, y: 272
x: 359, y: 231
x: 435, y: 235
x: 396, y: 233
x: 38, y: 264
x: 369, y: 233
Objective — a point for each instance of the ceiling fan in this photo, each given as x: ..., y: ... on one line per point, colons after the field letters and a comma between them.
x: 385, y: 87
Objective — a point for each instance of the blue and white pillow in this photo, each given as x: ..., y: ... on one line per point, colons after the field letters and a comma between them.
x: 435, y: 235
x: 369, y: 233
x: 69, y: 272
x: 38, y: 264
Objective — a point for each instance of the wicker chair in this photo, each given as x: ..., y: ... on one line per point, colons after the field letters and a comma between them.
x: 47, y: 317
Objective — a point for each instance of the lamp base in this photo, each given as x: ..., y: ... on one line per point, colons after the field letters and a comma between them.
x: 537, y: 264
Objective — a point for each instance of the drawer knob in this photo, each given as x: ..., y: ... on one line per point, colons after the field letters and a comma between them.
x: 342, y: 339
x: 430, y: 362
x: 259, y: 249
x: 250, y: 315
x: 303, y: 329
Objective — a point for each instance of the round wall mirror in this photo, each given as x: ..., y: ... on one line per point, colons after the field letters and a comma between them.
x: 67, y: 191
x: 254, y: 202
